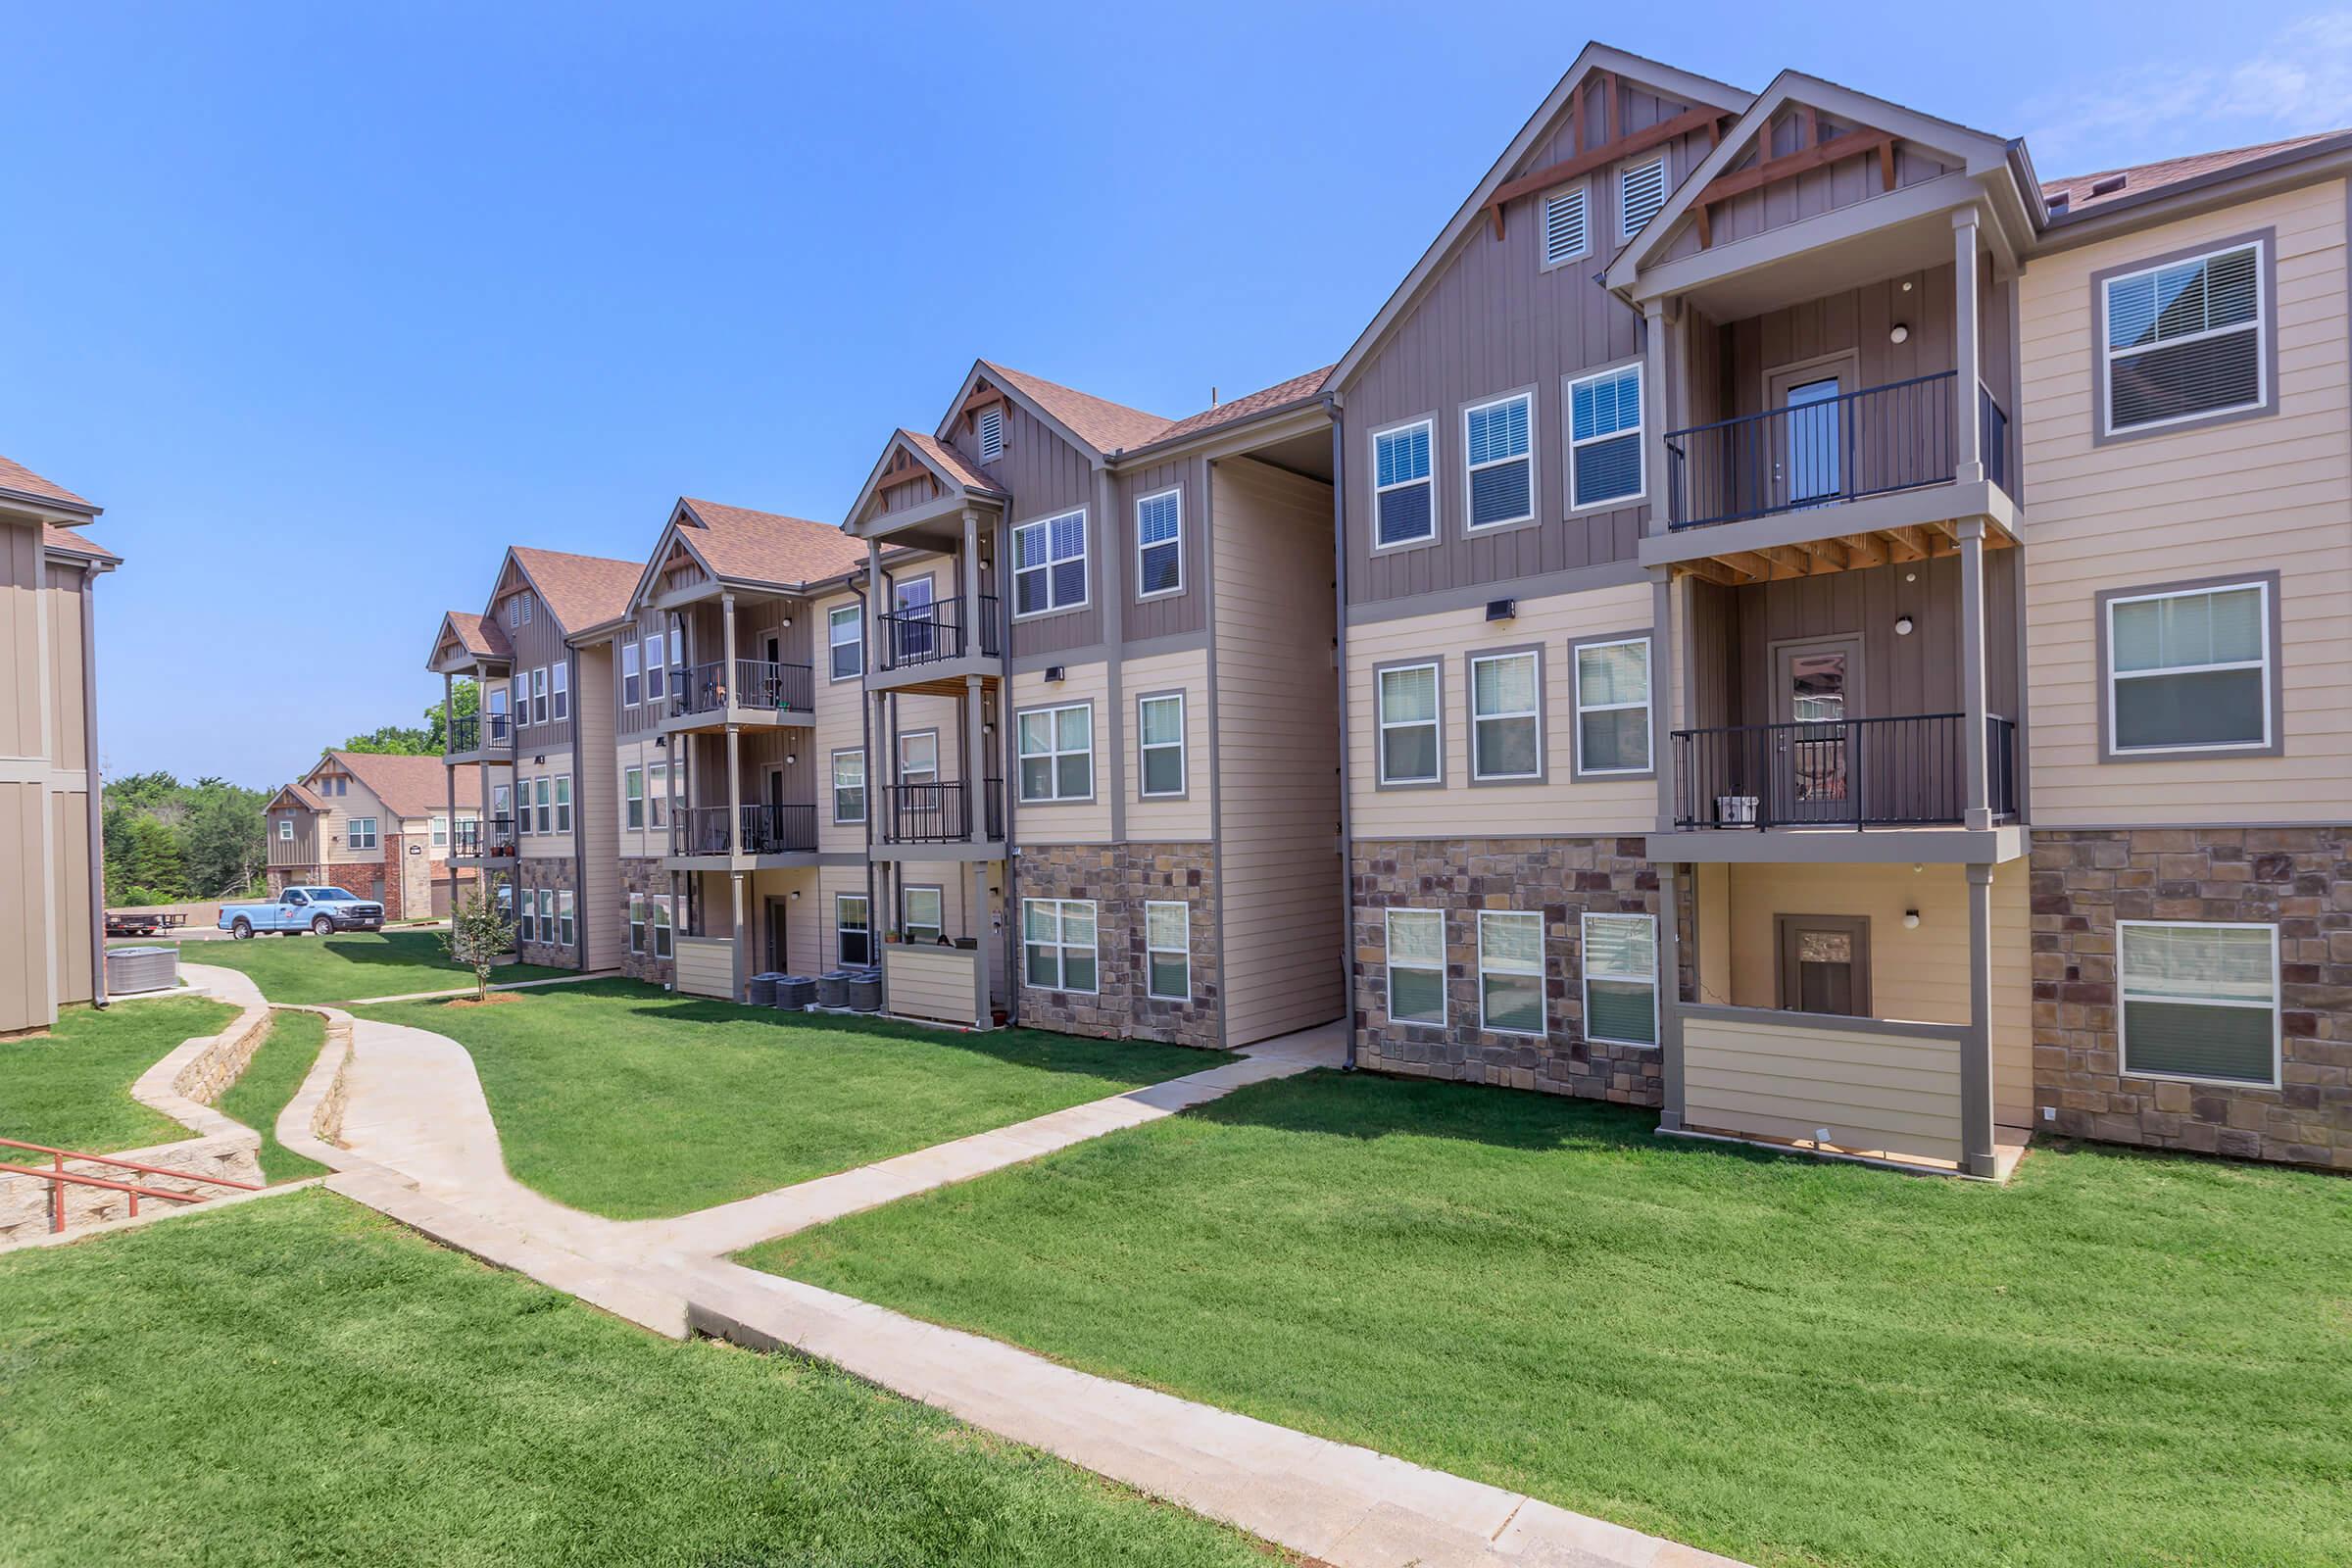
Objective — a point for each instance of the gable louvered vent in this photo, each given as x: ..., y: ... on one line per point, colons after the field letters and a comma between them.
x: 1563, y: 227
x: 992, y: 435
x: 1641, y: 192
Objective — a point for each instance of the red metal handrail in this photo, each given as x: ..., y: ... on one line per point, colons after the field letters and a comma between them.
x: 59, y: 1178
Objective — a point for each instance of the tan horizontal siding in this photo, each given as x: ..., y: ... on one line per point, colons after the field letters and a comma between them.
x: 1060, y: 821
x: 705, y: 967
x: 931, y: 982
x: 1889, y: 1093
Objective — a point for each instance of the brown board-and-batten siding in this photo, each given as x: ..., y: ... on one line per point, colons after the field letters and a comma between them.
x: 1276, y: 751
x: 1846, y: 182
x: 1494, y: 320
x: 1046, y: 476
x: 1166, y: 614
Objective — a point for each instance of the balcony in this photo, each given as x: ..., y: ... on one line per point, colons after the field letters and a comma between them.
x: 1905, y: 773
x: 752, y: 693
x: 486, y: 842
x: 942, y: 815
x: 940, y: 643
x: 699, y: 833
x: 479, y: 737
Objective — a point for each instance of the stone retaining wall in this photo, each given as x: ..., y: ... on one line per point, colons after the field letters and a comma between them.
x: 24, y: 1200
x: 221, y: 1059
x: 2298, y: 879
x: 1120, y: 878
x: 1561, y: 878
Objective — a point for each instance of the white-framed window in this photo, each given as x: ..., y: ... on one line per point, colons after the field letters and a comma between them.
x: 1048, y: 564
x: 1405, y: 498
x: 363, y: 833
x: 1510, y: 972
x: 562, y: 803
x: 1613, y: 707
x: 853, y: 929
x: 844, y: 638
x: 526, y: 921
x: 1605, y: 439
x: 440, y: 831
x: 522, y: 793
x: 919, y: 756
x: 1057, y: 752
x: 502, y: 803
x: 2190, y: 670
x: 1499, y: 481
x: 1057, y: 944
x: 2186, y: 339
x: 2199, y: 1001
x: 913, y: 632
x: 547, y: 914
x: 1168, y: 949
x: 539, y: 696
x: 992, y: 432
x: 560, y: 681
x: 519, y: 684
x: 1416, y: 944
x: 656, y: 666
x: 1159, y: 543
x: 1412, y: 750
x: 664, y: 946
x: 1506, y: 715
x: 849, y: 786
x: 632, y: 682
x: 506, y: 906
x: 1621, y: 979
x: 1641, y: 192
x: 285, y: 830
x: 543, y: 797
x: 1565, y: 231
x: 637, y: 923
x: 1159, y: 742
x: 566, y: 928
x: 632, y: 797
x: 921, y: 916
x: 657, y: 793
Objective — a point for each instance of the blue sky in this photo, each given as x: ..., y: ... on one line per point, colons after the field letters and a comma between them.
x: 327, y: 304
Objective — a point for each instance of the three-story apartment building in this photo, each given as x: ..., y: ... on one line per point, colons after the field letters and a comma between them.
x: 52, y: 881
x: 379, y: 826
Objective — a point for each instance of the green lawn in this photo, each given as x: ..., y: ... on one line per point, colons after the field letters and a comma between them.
x: 268, y: 1081
x: 621, y: 1099
x: 2117, y: 1359
x: 300, y: 1380
x: 70, y: 1088
x: 315, y: 969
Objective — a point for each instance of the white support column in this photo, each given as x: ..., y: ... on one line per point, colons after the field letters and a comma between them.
x: 1975, y: 784
x: 1654, y: 411
x: 968, y: 616
x: 727, y: 670
x: 734, y: 790
x: 1670, y: 998
x: 1661, y: 691
x: 1968, y: 352
x: 1976, y: 1056
x: 976, y: 874
x: 735, y: 880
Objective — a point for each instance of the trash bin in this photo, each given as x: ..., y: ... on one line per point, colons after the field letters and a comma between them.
x: 764, y: 989
x: 129, y: 971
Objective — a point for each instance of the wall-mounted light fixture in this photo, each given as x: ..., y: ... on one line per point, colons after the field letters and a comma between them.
x: 541, y: 757
x: 1900, y: 332
x: 796, y: 895
x: 1910, y: 919
x: 1054, y: 673
x: 791, y: 758
x: 1502, y: 610
x: 1903, y: 625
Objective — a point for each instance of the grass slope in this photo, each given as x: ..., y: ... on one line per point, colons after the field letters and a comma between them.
x: 2120, y: 1359
x: 70, y: 1088
x: 619, y: 1099
x: 299, y: 1380
x: 315, y: 969
x: 268, y: 1081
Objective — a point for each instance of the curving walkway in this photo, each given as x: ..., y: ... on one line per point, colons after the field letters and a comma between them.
x: 418, y: 1143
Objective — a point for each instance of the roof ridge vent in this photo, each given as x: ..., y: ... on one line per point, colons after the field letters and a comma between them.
x: 2110, y: 186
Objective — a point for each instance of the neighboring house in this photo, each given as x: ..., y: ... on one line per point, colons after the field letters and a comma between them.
x: 378, y: 826
x: 52, y: 882
x: 1783, y: 617
x: 537, y: 752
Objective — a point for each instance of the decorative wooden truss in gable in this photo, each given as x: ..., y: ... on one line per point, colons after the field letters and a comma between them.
x: 1612, y: 147
x: 905, y: 469
x: 1811, y: 152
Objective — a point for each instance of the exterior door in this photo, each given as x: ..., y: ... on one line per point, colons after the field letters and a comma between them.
x: 777, y: 947
x: 1817, y: 689
x: 1825, y: 963
x: 1810, y: 457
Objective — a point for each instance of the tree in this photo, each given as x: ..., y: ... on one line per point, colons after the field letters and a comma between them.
x: 158, y: 862
x: 467, y: 697
x: 478, y: 934
x: 398, y: 739
x: 226, y: 842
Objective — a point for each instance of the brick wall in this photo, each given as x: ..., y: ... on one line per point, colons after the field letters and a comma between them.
x: 556, y: 873
x: 2300, y: 879
x: 1561, y: 878
x: 645, y: 877
x: 1120, y: 878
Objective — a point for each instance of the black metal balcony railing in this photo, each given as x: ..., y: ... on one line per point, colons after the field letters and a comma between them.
x: 941, y: 814
x: 757, y: 683
x: 493, y: 836
x: 1849, y: 772
x: 474, y: 732
x: 1865, y: 443
x: 936, y: 632
x: 767, y: 830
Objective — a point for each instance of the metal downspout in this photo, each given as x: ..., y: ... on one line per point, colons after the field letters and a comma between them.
x: 91, y: 782
x: 579, y: 817
x: 1339, y: 643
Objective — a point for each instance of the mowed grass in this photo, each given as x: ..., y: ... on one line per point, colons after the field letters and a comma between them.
x: 300, y: 1380
x: 315, y: 969
x: 2119, y: 1360
x: 625, y: 1100
x: 268, y: 1081
x: 70, y: 1088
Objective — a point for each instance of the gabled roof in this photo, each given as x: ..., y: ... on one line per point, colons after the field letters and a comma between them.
x: 947, y: 467
x: 479, y: 635
x: 764, y: 547
x: 580, y: 591
x: 949, y: 462
x: 18, y: 480
x: 1593, y: 58
x: 2141, y: 180
x: 297, y: 796
x: 59, y: 539
x: 1097, y: 423
x: 408, y: 786
x: 1282, y: 394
